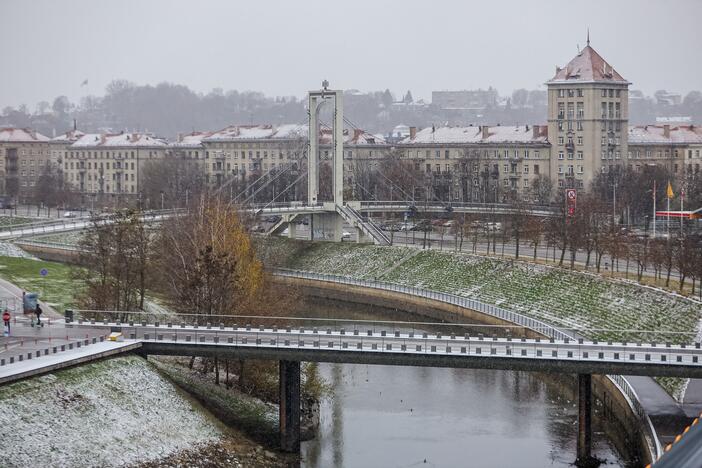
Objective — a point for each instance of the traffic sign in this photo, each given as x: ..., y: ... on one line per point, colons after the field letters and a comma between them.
x: 571, y: 198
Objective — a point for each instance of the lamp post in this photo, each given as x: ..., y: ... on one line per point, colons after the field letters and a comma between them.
x: 161, y: 200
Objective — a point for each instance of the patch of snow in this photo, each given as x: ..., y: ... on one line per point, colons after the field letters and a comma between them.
x: 111, y: 413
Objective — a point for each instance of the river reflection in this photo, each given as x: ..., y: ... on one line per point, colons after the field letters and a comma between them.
x: 388, y: 416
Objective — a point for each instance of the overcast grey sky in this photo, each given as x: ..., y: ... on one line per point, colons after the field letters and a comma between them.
x: 287, y: 47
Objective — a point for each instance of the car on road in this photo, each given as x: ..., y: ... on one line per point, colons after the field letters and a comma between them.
x: 345, y: 235
x: 69, y: 214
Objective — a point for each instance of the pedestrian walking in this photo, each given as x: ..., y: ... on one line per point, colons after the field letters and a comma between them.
x: 38, y: 311
x: 6, y: 320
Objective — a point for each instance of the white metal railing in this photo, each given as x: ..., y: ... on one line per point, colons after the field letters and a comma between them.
x: 62, y: 225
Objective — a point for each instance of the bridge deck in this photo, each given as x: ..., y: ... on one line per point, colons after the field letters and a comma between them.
x: 52, y: 359
x: 395, y: 347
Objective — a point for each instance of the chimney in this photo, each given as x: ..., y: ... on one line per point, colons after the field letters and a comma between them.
x: 486, y: 131
x: 75, y: 125
x: 535, y: 131
x: 413, y: 133
x: 666, y: 130
x: 357, y: 132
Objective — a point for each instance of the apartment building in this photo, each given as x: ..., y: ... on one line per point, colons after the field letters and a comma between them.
x: 110, y: 164
x: 478, y: 163
x: 588, y: 113
x: 24, y: 154
x: 678, y: 148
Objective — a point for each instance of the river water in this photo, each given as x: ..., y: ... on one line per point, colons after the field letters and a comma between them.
x: 389, y: 416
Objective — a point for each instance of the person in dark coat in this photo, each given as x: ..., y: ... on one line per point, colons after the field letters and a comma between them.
x: 38, y: 311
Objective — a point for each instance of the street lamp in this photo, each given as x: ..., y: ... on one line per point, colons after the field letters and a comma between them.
x: 161, y: 200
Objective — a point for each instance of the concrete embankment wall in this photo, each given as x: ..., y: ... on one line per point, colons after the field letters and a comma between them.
x: 621, y: 424
x: 52, y: 254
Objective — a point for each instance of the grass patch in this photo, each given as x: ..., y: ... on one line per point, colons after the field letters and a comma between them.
x: 58, y: 288
x: 7, y: 221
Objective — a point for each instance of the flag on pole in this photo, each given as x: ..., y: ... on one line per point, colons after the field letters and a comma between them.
x: 669, y: 192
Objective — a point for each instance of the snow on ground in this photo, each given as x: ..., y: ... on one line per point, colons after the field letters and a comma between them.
x: 11, y: 250
x: 111, y: 413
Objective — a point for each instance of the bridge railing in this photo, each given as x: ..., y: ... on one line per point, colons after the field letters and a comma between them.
x: 58, y: 225
x: 465, y: 205
x: 488, y: 309
x: 527, y: 322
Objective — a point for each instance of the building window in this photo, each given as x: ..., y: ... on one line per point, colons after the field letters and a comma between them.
x: 526, y: 169
x: 536, y: 168
x: 580, y: 141
x: 560, y: 140
x: 560, y: 155
x: 580, y: 155
x: 561, y: 93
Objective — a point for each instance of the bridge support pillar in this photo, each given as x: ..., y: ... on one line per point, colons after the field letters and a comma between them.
x: 289, y: 386
x: 292, y: 230
x: 327, y: 226
x: 585, y: 458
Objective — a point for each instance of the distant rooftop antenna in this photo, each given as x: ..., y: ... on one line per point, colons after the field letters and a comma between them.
x: 588, y: 36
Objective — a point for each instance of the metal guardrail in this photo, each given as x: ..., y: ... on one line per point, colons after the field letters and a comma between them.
x: 61, y: 225
x: 494, y: 311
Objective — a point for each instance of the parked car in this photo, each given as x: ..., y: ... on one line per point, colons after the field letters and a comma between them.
x: 271, y: 219
x: 69, y: 214
x: 345, y: 235
x: 422, y: 225
x: 493, y: 226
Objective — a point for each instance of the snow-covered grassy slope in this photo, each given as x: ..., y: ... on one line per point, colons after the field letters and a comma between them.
x: 110, y: 413
x: 561, y: 297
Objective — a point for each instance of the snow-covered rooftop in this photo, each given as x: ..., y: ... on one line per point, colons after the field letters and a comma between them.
x: 191, y: 140
x: 12, y: 134
x: 258, y: 132
x: 588, y: 65
x: 656, y: 134
x: 475, y: 134
x: 69, y: 136
x: 125, y: 139
x: 289, y: 131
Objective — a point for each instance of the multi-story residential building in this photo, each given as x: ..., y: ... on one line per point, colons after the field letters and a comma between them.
x: 59, y: 148
x: 587, y: 119
x: 245, y: 151
x: 24, y: 154
x: 677, y: 148
x: 110, y: 164
x: 478, y: 163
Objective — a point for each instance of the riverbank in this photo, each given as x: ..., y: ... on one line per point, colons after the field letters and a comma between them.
x: 117, y: 412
